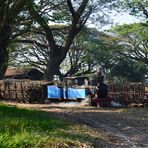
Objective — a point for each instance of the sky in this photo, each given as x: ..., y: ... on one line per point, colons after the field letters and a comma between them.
x: 124, y: 18
x: 118, y: 19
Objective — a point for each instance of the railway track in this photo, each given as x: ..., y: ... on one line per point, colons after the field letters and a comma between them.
x: 124, y: 134
x: 131, y: 135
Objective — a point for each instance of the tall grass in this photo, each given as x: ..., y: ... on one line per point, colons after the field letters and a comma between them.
x: 23, y: 128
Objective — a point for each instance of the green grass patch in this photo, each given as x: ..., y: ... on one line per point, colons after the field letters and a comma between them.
x: 31, y: 128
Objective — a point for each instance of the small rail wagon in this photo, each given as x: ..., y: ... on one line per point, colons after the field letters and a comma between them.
x: 72, y: 88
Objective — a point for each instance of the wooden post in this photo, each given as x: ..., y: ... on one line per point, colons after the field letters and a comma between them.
x: 21, y: 90
x: 15, y: 90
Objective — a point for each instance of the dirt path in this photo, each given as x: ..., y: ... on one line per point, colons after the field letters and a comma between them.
x: 118, y: 127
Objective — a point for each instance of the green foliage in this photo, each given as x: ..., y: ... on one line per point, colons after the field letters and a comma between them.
x: 122, y: 53
x: 138, y: 7
x: 128, y: 70
x: 132, y: 41
x: 139, y: 29
x: 30, y: 128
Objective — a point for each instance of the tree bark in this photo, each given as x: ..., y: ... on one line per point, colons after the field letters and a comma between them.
x: 3, y: 58
x: 56, y: 58
x: 4, y: 54
x: 51, y: 69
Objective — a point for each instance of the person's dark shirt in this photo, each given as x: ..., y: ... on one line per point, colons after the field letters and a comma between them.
x: 102, y: 90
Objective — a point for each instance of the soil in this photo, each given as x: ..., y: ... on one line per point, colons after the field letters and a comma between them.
x: 123, y: 128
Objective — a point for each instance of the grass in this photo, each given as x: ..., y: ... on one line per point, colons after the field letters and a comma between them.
x: 26, y: 128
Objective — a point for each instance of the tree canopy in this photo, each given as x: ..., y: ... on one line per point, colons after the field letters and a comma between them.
x: 133, y: 41
x: 122, y: 52
x: 138, y: 7
x: 12, y: 12
x: 74, y: 15
x: 55, y: 31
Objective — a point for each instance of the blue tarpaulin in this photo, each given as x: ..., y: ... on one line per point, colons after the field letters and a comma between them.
x: 67, y: 93
x: 74, y: 93
x: 54, y: 92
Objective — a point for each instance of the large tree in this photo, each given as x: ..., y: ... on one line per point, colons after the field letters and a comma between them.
x: 15, y: 21
x: 78, y: 60
x: 9, y: 11
x: 79, y: 14
x: 72, y: 13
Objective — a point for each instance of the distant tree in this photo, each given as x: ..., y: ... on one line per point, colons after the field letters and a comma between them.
x: 132, y: 41
x: 122, y: 53
x: 128, y: 70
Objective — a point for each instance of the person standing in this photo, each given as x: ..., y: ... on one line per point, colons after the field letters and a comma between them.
x: 102, y: 90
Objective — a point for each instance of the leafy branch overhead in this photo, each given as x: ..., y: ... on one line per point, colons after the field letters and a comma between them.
x: 54, y: 35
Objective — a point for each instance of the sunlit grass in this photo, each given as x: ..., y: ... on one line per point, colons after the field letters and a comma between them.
x: 31, y: 128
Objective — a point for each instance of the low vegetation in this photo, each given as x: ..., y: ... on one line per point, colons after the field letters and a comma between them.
x: 31, y: 128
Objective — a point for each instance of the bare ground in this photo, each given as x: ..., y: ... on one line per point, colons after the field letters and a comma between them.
x: 123, y: 128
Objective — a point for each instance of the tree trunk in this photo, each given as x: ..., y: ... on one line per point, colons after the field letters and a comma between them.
x: 56, y: 57
x: 4, y: 54
x: 3, y: 58
x: 51, y: 69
